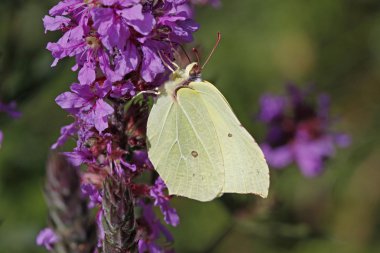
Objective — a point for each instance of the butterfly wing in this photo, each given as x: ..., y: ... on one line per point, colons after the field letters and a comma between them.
x: 184, y: 146
x: 246, y: 170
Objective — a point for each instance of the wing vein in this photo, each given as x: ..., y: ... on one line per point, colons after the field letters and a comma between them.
x: 196, y: 133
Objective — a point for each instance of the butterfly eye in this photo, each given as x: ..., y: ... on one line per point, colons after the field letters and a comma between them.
x: 195, y: 71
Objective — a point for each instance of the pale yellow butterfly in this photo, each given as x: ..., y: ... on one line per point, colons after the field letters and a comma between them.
x: 198, y: 146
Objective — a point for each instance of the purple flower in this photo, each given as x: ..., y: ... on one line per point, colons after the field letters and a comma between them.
x: 118, y: 36
x: 140, y: 158
x: 123, y: 89
x: 47, y: 238
x: 148, y: 243
x: 66, y: 132
x: 92, y: 193
x: 271, y: 107
x: 299, y: 131
x: 79, y: 156
x: 162, y: 200
x: 88, y: 104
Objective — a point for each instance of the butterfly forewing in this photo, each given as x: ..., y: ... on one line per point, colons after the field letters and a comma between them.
x: 184, y: 146
x: 246, y: 170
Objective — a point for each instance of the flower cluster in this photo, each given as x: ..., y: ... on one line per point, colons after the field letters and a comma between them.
x: 119, y: 47
x: 299, y: 130
x: 113, y: 38
x: 11, y: 110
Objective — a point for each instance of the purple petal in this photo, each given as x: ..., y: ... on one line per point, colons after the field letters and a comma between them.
x: 110, y: 2
x: 70, y: 101
x: 103, y: 19
x: 151, y: 66
x: 87, y: 73
x: 310, y: 155
x: 279, y: 157
x: 123, y: 89
x: 157, y: 192
x: 140, y: 158
x: 47, y: 238
x: 141, y: 22
x: 63, y: 7
x: 271, y: 107
x: 55, y: 23
x: 92, y: 193
x: 125, y: 63
x: 101, y: 112
x: 66, y: 132
x: 79, y: 157
x: 182, y: 32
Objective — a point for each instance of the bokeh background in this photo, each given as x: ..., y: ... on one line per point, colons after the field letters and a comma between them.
x: 334, y: 44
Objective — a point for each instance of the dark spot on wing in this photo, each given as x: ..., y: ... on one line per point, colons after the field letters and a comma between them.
x: 194, y: 154
x: 229, y: 135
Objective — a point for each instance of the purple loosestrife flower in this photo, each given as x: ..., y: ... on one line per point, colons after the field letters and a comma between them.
x: 299, y: 131
x: 162, y: 200
x: 118, y: 46
x: 87, y: 103
x: 47, y: 238
x: 154, y: 226
x: 118, y: 37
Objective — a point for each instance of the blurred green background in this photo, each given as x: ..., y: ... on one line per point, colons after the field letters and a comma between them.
x: 332, y: 43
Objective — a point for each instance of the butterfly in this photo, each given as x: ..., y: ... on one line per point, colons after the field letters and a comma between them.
x: 196, y: 143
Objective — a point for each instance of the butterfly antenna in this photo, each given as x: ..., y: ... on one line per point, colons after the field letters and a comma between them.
x: 213, y: 49
x: 164, y: 62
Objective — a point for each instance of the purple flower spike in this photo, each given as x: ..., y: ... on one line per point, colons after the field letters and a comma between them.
x: 47, y: 238
x: 112, y: 35
x: 299, y: 131
x: 117, y: 46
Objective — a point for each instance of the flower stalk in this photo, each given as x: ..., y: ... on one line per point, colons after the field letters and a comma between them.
x: 118, y: 217
x: 69, y: 216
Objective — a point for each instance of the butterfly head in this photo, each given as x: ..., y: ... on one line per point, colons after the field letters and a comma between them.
x: 193, y: 72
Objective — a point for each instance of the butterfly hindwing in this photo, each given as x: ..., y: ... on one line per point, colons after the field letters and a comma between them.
x: 246, y: 170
